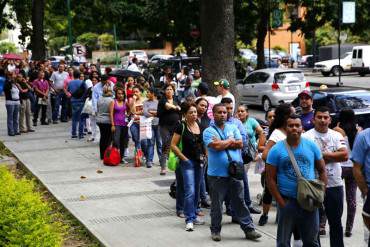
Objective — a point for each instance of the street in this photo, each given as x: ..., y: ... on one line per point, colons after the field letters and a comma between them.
x: 349, y: 80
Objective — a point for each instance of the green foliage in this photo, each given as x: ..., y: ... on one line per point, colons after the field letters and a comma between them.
x: 136, y: 45
x: 106, y: 41
x: 56, y: 43
x: 25, y: 220
x: 88, y: 39
x: 108, y: 60
x: 7, y: 47
x: 278, y: 48
x: 180, y: 48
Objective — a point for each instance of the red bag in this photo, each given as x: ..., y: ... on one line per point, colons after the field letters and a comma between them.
x: 138, y: 157
x: 112, y: 156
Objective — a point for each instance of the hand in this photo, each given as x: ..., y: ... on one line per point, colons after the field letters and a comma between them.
x: 113, y: 128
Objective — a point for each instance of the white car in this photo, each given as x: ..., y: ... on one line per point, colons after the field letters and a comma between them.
x: 156, y: 58
x: 139, y: 54
x: 332, y: 66
x: 361, y: 59
x: 270, y: 87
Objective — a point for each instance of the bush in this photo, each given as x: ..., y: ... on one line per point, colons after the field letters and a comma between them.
x: 7, y: 47
x: 56, y: 43
x: 88, y: 39
x: 25, y: 220
x: 106, y: 41
x: 109, y: 60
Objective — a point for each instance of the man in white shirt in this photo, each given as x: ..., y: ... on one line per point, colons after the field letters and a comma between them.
x: 334, y: 151
x: 57, y: 79
x: 133, y: 66
x: 223, y: 87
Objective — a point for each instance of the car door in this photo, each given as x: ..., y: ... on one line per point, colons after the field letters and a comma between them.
x: 357, y: 58
x: 260, y: 87
x: 245, y: 86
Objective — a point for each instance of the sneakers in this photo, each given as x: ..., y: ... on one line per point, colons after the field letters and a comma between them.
x: 123, y: 161
x: 149, y: 164
x: 189, y: 227
x: 198, y: 222
x: 252, y: 235
x: 263, y: 220
x: 254, y: 210
x: 216, y: 236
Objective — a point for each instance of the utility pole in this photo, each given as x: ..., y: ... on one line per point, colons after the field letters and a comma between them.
x: 339, y: 40
x: 269, y: 30
x: 115, y: 43
x: 69, y: 28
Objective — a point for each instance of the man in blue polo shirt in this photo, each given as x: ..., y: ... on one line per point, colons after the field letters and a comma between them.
x: 220, y: 183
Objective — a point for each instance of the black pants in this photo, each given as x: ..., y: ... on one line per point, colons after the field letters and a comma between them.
x: 333, y: 204
x: 120, y: 138
x: 37, y: 110
x: 105, y: 138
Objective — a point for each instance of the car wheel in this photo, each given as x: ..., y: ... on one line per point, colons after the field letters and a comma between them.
x: 325, y: 73
x: 266, y: 103
x: 362, y: 74
x: 336, y: 70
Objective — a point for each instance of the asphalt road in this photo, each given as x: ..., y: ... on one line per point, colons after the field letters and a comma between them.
x: 350, y: 80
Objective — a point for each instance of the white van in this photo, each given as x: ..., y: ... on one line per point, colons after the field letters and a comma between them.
x: 361, y: 59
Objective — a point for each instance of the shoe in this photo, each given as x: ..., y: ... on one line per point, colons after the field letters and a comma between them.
x: 228, y: 212
x: 149, y: 165
x: 163, y: 172
x: 205, y: 204
x: 74, y: 137
x: 90, y: 139
x: 64, y: 121
x: 55, y: 122
x: 322, y: 232
x: 198, y: 222
x: 31, y: 130
x: 123, y: 161
x: 45, y: 123
x: 34, y: 123
x: 81, y: 137
x: 263, y: 220
x: 17, y: 133
x: 252, y: 235
x: 180, y: 215
x: 216, y: 236
x: 254, y: 210
x: 23, y: 131
x: 348, y: 234
x: 11, y: 135
x: 200, y: 213
x: 189, y: 227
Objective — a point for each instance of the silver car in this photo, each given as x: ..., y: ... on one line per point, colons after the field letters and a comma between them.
x: 270, y: 87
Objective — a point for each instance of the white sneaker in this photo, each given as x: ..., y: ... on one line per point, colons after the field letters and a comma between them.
x: 297, y: 243
x: 189, y: 227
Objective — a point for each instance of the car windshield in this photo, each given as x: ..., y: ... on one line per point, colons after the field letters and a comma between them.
x: 286, y: 77
x: 140, y: 53
x: 355, y: 100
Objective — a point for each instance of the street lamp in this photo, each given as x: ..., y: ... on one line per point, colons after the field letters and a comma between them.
x: 69, y: 28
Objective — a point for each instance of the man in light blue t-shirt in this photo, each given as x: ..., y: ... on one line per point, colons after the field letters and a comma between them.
x: 282, y: 183
x: 221, y: 136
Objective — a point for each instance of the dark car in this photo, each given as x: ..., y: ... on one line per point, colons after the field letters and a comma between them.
x: 338, y: 98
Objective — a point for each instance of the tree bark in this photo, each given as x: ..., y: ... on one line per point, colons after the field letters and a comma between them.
x: 37, y: 38
x: 217, y: 39
x: 261, y: 33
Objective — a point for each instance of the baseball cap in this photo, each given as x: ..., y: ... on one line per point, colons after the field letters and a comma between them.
x: 305, y: 92
x: 223, y: 83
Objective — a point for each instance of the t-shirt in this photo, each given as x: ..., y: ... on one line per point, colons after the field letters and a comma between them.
x: 151, y: 105
x: 330, y: 141
x: 228, y: 95
x: 361, y: 153
x: 277, y: 135
x: 307, y: 122
x: 191, y: 143
x: 58, y: 79
x: 349, y: 162
x: 306, y: 153
x: 217, y: 160
x: 251, y: 125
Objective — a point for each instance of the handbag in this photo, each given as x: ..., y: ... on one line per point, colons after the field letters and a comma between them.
x: 235, y: 168
x: 249, y: 153
x: 112, y: 156
x: 88, y: 107
x: 310, y: 193
x: 173, y: 160
x: 146, y: 128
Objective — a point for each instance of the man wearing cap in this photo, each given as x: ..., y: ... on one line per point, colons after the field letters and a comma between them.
x: 223, y: 89
x: 305, y: 102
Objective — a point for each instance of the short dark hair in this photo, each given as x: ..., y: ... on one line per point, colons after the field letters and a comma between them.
x: 226, y: 100
x: 134, y: 60
x: 203, y: 88
x: 217, y: 106
x: 185, y: 106
x: 76, y: 74
x: 321, y: 109
x: 294, y: 116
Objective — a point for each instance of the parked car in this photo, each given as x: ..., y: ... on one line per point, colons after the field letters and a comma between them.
x: 306, y: 61
x: 332, y: 66
x: 361, y: 59
x: 270, y: 87
x: 139, y: 54
x: 156, y: 58
x: 248, y: 54
x: 338, y: 98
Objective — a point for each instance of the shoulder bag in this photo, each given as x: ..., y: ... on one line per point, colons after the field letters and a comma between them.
x: 310, y: 193
x: 173, y: 160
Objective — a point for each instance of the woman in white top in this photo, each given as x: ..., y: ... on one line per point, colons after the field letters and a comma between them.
x: 348, y: 128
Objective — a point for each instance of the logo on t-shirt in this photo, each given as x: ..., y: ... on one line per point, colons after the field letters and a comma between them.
x: 303, y: 164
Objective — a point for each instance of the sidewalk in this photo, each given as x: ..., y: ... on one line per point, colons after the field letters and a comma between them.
x: 125, y: 206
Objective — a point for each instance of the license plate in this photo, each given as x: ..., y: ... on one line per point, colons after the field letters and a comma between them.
x: 293, y: 88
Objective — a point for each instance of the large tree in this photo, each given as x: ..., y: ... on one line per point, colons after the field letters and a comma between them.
x: 218, y: 39
x: 37, y: 38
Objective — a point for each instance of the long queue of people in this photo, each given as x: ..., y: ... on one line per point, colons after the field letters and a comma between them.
x: 215, y: 142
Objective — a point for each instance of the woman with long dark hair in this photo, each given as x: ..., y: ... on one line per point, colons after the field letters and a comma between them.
x: 347, y: 126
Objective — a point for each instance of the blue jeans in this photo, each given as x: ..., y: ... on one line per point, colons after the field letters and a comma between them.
x: 76, y: 119
x: 247, y: 197
x: 333, y: 204
x: 135, y: 133
x: 179, y: 190
x: 60, y: 100
x: 12, y: 119
x: 191, y: 173
x: 219, y: 187
x: 148, y: 144
x: 293, y: 216
x: 203, y: 189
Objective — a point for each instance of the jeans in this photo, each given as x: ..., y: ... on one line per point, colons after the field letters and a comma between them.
x: 119, y: 136
x: 351, y: 188
x: 219, y: 187
x: 37, y: 111
x: 76, y: 119
x: 105, y: 138
x: 148, y: 144
x: 12, y: 118
x: 25, y: 115
x: 135, y: 133
x: 179, y: 191
x: 191, y: 173
x: 60, y: 101
x: 293, y: 216
x: 333, y: 204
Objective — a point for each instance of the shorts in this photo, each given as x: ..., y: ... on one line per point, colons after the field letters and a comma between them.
x: 366, y: 208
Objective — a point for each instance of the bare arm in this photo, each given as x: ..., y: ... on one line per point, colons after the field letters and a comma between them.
x: 271, y: 172
x: 360, y: 179
x: 236, y: 144
x: 220, y: 145
x: 174, y: 142
x: 338, y: 156
x: 320, y: 167
x: 261, y: 138
x: 269, y: 145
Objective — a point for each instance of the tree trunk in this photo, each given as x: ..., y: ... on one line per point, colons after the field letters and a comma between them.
x: 37, y: 38
x: 261, y: 33
x: 217, y: 39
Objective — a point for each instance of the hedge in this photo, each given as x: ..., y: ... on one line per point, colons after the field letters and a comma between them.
x: 25, y: 219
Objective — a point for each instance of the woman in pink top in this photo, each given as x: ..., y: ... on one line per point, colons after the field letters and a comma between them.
x: 117, y: 110
x: 41, y: 87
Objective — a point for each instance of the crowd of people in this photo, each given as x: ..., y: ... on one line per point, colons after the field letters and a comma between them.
x: 214, y: 139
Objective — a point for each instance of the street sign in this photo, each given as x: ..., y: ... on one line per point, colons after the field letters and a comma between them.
x: 277, y: 18
x: 79, y: 52
x: 349, y: 12
x: 343, y: 36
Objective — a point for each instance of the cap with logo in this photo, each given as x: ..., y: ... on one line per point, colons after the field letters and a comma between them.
x: 223, y: 83
x: 305, y: 92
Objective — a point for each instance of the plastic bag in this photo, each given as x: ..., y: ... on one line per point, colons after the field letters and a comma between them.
x: 146, y: 128
x: 88, y: 107
x: 112, y: 156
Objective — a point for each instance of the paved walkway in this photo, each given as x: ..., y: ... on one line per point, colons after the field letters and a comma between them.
x: 124, y: 206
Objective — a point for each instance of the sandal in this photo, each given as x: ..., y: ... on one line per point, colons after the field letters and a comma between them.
x: 163, y: 172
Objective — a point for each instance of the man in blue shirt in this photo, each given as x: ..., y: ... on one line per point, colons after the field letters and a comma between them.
x: 219, y: 181
x: 282, y: 183
x: 361, y: 170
